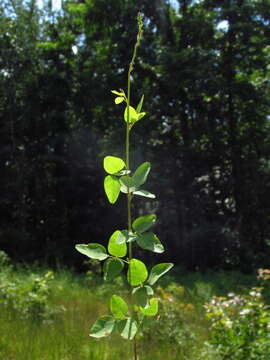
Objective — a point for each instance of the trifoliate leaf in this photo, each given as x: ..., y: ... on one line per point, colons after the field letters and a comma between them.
x: 118, y: 93
x: 152, y: 309
x: 144, y: 193
x: 118, y: 100
x: 119, y: 307
x: 133, y: 116
x: 140, y: 175
x: 139, y: 107
x: 149, y: 241
x: 114, y: 247
x: 127, y: 183
x: 127, y: 328
x: 112, y: 268
x: 112, y: 164
x: 137, y: 272
x: 102, y: 327
x: 143, y: 223
x: 157, y: 271
x: 112, y: 188
x: 93, y: 251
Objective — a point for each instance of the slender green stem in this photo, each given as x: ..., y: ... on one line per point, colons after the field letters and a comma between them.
x: 131, y: 65
x: 127, y: 164
x: 129, y: 203
x: 128, y: 127
x: 129, y: 219
x: 135, y: 348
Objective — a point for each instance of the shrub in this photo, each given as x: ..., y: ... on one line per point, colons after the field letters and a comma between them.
x: 240, y: 324
x: 4, y: 260
x: 26, y: 295
x: 182, y: 322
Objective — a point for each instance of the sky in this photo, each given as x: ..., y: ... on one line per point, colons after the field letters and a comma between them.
x: 56, y: 4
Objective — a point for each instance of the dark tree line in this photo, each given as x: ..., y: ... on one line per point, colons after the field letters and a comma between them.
x: 204, y: 69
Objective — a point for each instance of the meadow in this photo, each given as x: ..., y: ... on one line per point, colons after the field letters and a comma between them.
x: 46, y: 315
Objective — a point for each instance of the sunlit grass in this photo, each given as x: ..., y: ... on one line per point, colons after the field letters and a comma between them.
x: 64, y: 336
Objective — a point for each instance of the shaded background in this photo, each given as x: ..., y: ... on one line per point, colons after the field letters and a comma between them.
x: 204, y: 69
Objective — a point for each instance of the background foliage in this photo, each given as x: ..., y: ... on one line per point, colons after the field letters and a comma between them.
x: 205, y: 67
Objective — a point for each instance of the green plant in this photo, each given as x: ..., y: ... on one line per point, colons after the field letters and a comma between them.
x: 27, y: 296
x: 4, y: 260
x: 240, y: 324
x: 182, y: 322
x: 127, y: 315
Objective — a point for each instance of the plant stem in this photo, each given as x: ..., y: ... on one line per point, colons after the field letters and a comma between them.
x: 131, y: 65
x: 127, y: 163
x: 129, y: 219
x: 128, y: 127
x: 135, y: 348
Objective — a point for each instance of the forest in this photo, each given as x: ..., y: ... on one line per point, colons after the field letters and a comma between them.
x: 204, y: 69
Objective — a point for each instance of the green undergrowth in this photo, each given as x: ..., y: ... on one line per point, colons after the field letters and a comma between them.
x: 69, y: 303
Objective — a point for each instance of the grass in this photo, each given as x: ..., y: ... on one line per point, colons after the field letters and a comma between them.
x: 180, y: 333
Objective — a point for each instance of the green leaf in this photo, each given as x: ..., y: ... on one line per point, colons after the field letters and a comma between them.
x: 139, y: 107
x: 133, y: 116
x: 131, y: 237
x: 141, y: 174
x: 149, y: 290
x: 149, y: 241
x: 112, y: 188
x: 137, y: 272
x: 119, y: 99
x: 141, y: 296
x: 143, y: 223
x: 127, y: 328
x: 102, y: 327
x: 127, y: 182
x: 114, y: 247
x: 144, y: 193
x: 118, y: 93
x: 112, y: 164
x: 112, y: 268
x: 141, y: 115
x: 122, y: 237
x: 123, y: 172
x: 126, y: 236
x: 157, y: 271
x: 152, y: 309
x: 93, y: 251
x: 119, y: 307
